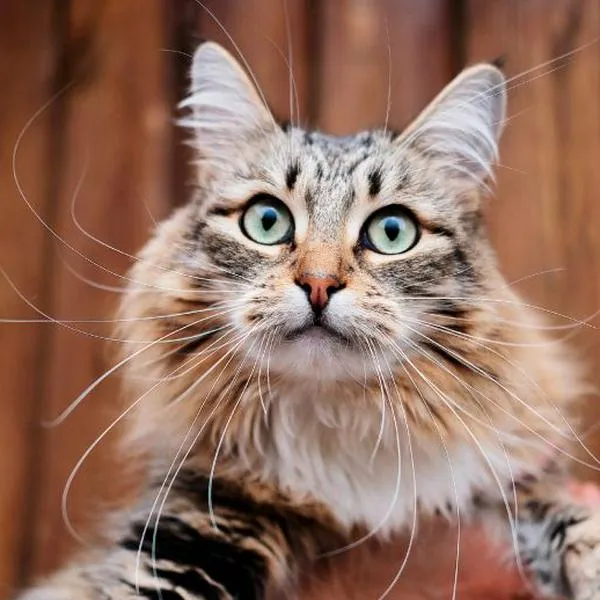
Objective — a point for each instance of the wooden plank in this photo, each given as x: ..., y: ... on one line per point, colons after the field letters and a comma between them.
x: 264, y: 32
x: 26, y: 80
x: 547, y: 215
x: 366, y: 44
x: 116, y: 149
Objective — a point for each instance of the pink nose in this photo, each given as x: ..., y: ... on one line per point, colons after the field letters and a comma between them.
x: 319, y: 289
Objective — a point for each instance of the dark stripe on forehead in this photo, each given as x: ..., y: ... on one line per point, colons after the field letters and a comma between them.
x: 292, y: 175
x: 374, y: 181
x: 308, y: 199
x: 353, y: 166
x: 319, y: 172
x: 402, y: 180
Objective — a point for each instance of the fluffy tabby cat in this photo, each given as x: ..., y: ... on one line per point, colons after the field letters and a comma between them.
x: 320, y: 348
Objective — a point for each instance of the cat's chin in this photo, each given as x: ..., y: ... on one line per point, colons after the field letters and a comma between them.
x: 319, y: 354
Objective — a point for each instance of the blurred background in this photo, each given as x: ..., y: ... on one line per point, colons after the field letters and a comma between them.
x: 103, y: 161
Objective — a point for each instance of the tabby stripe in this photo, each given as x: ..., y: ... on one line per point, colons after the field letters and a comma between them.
x: 240, y: 571
x: 194, y: 581
x: 440, y: 230
x: 447, y: 356
x: 193, y: 345
x: 229, y: 497
x: 222, y: 211
x: 156, y: 594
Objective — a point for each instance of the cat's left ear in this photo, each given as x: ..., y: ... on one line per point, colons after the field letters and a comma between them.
x: 461, y: 128
x: 226, y: 108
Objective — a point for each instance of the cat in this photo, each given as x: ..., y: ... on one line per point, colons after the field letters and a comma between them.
x: 320, y: 349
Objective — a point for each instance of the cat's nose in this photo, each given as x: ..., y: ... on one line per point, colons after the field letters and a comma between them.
x: 319, y: 289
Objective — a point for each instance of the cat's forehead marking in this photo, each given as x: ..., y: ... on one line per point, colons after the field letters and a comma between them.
x: 332, y: 168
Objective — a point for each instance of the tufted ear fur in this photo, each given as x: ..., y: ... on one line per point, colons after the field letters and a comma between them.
x: 461, y: 128
x: 225, y: 107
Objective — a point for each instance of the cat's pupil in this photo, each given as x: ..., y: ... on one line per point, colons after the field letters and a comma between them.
x: 268, y: 218
x: 392, y: 229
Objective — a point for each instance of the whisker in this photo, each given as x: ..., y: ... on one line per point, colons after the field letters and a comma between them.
x: 517, y: 303
x: 398, y: 482
x: 75, y: 403
x: 526, y: 405
x: 224, y: 433
x: 166, y: 484
x: 293, y: 90
x: 188, y: 451
x: 388, y: 106
x: 498, y: 437
x: 240, y: 55
x: 448, y: 403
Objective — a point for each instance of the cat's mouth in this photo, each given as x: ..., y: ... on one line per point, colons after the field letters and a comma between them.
x: 316, y: 331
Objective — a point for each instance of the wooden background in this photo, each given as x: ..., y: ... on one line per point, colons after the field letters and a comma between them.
x: 104, y: 154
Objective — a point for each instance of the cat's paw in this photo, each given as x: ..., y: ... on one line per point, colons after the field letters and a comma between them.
x: 581, y: 559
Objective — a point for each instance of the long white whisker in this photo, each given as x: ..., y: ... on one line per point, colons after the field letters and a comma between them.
x: 446, y: 401
x: 526, y: 405
x: 224, y: 432
x: 230, y: 355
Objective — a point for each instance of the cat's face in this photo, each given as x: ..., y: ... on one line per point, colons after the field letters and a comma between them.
x: 329, y: 257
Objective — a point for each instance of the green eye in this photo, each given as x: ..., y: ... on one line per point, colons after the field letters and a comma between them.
x: 391, y: 230
x: 267, y: 221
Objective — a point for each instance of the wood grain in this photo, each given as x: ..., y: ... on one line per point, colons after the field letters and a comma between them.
x: 27, y: 80
x: 364, y: 46
x: 114, y: 166
x: 546, y: 214
x: 268, y: 35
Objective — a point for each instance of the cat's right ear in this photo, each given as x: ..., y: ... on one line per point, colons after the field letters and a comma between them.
x: 461, y: 128
x: 225, y: 107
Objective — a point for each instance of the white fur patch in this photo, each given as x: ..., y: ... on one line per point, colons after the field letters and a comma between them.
x: 322, y: 448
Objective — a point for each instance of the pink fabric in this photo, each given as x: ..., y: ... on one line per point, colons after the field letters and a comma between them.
x: 365, y: 572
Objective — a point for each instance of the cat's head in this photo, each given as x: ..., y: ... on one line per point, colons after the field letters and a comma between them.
x: 318, y: 258
x: 324, y: 250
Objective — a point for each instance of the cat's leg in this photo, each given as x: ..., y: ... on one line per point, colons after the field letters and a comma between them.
x: 249, y: 543
x: 558, y: 538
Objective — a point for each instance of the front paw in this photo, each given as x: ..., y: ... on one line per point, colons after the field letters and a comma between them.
x: 581, y: 559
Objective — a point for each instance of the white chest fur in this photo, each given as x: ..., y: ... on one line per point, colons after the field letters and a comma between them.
x: 377, y: 472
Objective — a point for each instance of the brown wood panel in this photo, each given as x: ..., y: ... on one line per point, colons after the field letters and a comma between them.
x: 366, y: 44
x: 26, y: 35
x: 115, y: 148
x: 259, y: 29
x: 546, y: 214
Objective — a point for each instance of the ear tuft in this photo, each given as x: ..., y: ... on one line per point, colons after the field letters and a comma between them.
x: 499, y: 62
x: 224, y: 104
x: 461, y: 128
